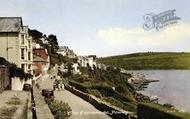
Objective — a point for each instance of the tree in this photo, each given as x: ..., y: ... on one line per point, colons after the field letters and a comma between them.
x: 52, y: 40
x: 36, y: 35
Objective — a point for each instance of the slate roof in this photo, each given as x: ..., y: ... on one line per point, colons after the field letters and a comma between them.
x: 10, y: 24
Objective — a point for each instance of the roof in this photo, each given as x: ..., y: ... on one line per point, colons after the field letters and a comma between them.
x: 38, y: 59
x: 10, y: 24
x: 41, y: 52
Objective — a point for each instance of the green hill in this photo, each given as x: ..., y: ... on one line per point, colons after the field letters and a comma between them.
x: 150, y: 60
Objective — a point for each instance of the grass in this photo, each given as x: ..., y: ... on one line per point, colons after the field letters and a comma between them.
x: 123, y: 105
x: 14, y: 101
x: 173, y: 112
x: 25, y: 110
x: 154, y: 60
x: 8, y: 112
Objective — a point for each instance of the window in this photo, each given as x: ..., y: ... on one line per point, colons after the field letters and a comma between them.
x: 22, y: 39
x: 23, y: 67
x: 22, y: 53
x: 29, y: 66
x: 29, y: 44
x: 29, y: 55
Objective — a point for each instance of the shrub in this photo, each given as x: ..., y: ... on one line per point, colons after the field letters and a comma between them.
x: 168, y: 105
x: 78, y: 86
x: 94, y: 92
x: 8, y: 111
x: 60, y: 110
x: 25, y: 110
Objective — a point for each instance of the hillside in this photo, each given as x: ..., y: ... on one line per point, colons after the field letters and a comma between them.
x: 150, y: 60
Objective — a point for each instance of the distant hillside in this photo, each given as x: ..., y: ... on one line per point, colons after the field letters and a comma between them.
x: 150, y: 60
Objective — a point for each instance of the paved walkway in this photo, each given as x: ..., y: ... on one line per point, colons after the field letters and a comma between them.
x: 45, y: 82
x: 80, y: 108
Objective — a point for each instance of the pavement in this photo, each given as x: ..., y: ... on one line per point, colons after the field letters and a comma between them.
x: 80, y: 108
x: 45, y: 82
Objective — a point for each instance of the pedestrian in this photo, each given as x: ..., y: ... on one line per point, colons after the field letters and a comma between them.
x: 63, y: 86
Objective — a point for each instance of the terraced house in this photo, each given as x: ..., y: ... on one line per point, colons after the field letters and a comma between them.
x: 16, y: 45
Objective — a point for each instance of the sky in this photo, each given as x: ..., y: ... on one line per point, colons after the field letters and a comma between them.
x: 104, y: 27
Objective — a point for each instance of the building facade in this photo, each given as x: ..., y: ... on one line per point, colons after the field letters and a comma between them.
x: 90, y: 60
x: 65, y: 51
x: 16, y: 45
x: 41, y: 58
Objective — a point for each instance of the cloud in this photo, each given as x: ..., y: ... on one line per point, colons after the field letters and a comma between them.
x: 127, y: 37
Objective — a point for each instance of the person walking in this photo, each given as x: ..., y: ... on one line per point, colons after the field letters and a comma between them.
x: 63, y: 87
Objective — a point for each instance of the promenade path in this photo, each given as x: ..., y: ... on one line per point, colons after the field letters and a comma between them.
x: 80, y: 108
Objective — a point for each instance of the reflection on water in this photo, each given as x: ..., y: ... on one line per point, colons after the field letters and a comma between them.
x: 173, y: 88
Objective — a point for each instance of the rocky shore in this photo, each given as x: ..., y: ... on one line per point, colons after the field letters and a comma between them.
x: 139, y: 82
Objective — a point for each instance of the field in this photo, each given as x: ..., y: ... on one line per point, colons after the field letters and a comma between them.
x: 150, y: 60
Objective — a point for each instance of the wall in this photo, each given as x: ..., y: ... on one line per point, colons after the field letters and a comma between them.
x: 17, y: 83
x: 37, y: 67
x: 4, y: 78
x: 13, y: 47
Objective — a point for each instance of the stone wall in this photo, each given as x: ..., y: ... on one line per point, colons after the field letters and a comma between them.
x: 17, y: 83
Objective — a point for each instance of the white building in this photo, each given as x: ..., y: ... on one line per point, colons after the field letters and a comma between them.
x: 82, y: 60
x: 36, y: 45
x: 76, y: 69
x: 65, y: 51
x: 90, y: 60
